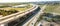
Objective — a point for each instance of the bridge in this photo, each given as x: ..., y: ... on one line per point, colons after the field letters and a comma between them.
x: 16, y: 17
x: 33, y: 20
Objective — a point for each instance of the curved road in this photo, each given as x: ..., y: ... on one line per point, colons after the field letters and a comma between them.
x: 32, y: 21
x: 9, y: 18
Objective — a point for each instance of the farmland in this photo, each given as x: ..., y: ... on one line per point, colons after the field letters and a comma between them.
x: 52, y: 8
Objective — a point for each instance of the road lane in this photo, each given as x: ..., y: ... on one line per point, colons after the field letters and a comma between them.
x: 34, y: 12
x: 34, y: 19
x: 37, y: 16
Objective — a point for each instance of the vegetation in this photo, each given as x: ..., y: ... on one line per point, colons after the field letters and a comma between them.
x: 23, y: 9
x: 7, y: 9
x: 18, y: 9
x: 40, y: 18
x: 41, y: 6
x: 4, y: 6
x: 4, y: 12
x: 50, y: 18
x: 52, y: 8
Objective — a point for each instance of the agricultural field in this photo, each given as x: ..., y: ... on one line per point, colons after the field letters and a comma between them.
x: 52, y: 9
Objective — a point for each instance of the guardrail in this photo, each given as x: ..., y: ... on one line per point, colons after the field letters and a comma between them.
x: 15, y: 16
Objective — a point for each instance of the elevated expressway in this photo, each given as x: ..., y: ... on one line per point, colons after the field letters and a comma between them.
x: 34, y: 19
x: 4, y: 21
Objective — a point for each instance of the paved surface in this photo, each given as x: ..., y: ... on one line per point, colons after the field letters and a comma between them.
x: 45, y: 23
x: 27, y: 23
x: 36, y: 16
x: 30, y: 17
x: 34, y: 19
x: 10, y: 18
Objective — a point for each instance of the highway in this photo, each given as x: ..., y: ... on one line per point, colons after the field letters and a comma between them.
x: 37, y: 16
x: 5, y: 20
x: 32, y: 21
x: 12, y: 17
x: 30, y: 17
x: 46, y: 23
x: 41, y: 12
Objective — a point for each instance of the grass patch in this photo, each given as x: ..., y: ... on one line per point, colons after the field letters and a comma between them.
x: 52, y: 8
x: 4, y: 12
x: 41, y: 6
x: 18, y: 9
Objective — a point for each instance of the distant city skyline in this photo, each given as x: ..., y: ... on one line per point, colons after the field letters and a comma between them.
x: 10, y: 1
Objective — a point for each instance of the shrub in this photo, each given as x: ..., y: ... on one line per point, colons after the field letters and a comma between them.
x: 4, y: 12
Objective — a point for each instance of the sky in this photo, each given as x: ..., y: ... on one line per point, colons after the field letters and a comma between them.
x: 10, y: 1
